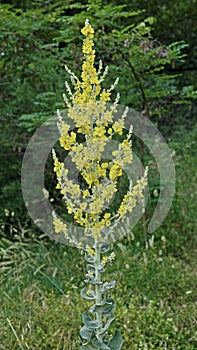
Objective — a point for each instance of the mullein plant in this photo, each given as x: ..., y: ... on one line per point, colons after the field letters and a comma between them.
x: 88, y: 202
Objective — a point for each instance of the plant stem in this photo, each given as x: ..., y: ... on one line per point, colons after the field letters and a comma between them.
x: 97, y: 286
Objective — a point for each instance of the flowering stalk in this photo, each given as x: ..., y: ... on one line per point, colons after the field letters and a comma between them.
x: 88, y: 202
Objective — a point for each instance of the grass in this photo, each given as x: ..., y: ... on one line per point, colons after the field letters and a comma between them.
x: 155, y: 295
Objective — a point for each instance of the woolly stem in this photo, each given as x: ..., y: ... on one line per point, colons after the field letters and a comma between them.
x: 97, y: 287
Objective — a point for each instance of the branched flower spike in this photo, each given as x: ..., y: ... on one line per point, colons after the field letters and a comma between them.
x: 87, y: 107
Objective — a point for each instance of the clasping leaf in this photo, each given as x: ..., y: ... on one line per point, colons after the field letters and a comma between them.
x: 115, y: 342
x: 88, y: 294
x: 89, y: 322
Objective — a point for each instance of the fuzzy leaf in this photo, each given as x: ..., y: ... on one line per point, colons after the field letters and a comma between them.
x: 99, y: 345
x: 107, y: 325
x: 105, y: 309
x: 109, y: 306
x: 90, y: 267
x: 86, y: 333
x: 105, y: 248
x: 115, y: 342
x: 89, y: 258
x: 88, y: 347
x: 88, y: 321
x: 109, y: 299
x: 108, y: 285
x: 108, y: 310
x: 101, y: 267
x: 87, y: 294
x: 92, y: 280
x: 106, y: 306
x: 94, y: 308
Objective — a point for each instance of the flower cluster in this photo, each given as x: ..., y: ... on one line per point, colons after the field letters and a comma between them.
x: 92, y: 117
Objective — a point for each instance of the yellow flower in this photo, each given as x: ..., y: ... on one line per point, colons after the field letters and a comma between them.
x: 86, y: 193
x: 104, y: 165
x: 88, y: 30
x: 130, y: 198
x: 67, y: 141
x: 83, y: 206
x: 107, y: 215
x: 58, y: 168
x: 108, y: 191
x: 99, y: 131
x: 91, y: 178
x: 126, y: 152
x: 96, y: 206
x: 84, y: 129
x: 118, y: 126
x: 105, y: 96
x: 78, y: 217
x: 90, y: 251
x: 115, y: 153
x: 104, y: 259
x: 110, y: 131
x: 63, y: 191
x: 108, y: 117
x: 101, y: 171
x: 115, y: 171
x: 69, y: 209
x: 122, y: 209
x: 65, y: 127
x: 87, y: 46
x: 59, y: 226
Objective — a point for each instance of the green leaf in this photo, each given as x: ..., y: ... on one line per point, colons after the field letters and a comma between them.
x: 97, y: 307
x: 105, y: 307
x: 89, y: 322
x: 90, y: 267
x: 89, y: 258
x: 108, y: 285
x: 86, y: 333
x: 150, y: 20
x: 88, y: 294
x: 99, y: 345
x: 88, y: 347
x: 108, y: 310
x: 116, y: 342
x: 105, y: 248
x: 101, y: 267
x: 107, y: 325
x: 91, y: 280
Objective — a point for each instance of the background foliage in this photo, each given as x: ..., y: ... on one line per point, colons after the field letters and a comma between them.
x: 36, y: 42
x: 151, y: 46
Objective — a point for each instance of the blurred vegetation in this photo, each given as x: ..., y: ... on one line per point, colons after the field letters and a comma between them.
x: 37, y: 41
x: 151, y: 46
